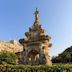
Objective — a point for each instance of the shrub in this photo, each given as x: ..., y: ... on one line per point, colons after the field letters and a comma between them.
x: 35, y: 68
x: 7, y: 57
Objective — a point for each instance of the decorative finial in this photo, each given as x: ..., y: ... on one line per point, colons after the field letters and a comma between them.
x: 36, y: 15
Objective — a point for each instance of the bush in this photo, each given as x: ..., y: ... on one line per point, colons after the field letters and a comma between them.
x: 39, y: 68
x: 7, y: 57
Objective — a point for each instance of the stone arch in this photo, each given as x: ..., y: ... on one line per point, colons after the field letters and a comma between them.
x: 33, y: 57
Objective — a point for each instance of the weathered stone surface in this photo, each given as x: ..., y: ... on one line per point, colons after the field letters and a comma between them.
x: 36, y: 45
x: 12, y: 46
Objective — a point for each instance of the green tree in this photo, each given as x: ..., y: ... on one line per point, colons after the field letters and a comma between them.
x: 68, y: 56
x: 7, y: 57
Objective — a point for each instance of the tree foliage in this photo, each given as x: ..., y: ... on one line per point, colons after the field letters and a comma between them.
x: 7, y: 57
x: 64, y: 57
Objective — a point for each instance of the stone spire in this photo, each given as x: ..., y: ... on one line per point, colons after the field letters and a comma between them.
x: 36, y: 16
x: 36, y: 44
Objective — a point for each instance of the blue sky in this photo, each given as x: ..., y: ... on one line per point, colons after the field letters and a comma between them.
x: 16, y: 16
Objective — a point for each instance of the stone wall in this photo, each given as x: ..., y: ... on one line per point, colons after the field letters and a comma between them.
x: 11, y: 46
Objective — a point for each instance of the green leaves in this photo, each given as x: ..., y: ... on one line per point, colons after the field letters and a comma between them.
x: 7, y: 57
x: 36, y: 68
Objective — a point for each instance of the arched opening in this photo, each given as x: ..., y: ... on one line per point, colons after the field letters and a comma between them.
x: 33, y: 57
